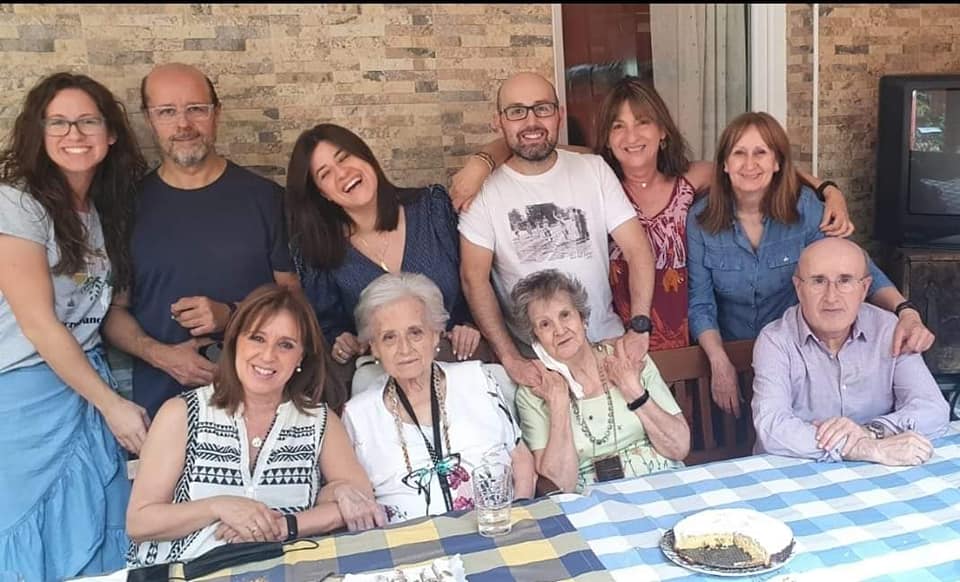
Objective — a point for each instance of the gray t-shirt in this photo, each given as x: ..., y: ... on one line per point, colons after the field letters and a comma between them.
x: 81, y: 300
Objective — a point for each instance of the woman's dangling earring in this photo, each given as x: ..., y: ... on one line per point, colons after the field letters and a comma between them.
x: 663, y: 144
x: 299, y: 368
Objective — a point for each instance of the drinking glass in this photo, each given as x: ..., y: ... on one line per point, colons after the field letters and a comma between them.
x: 493, y: 494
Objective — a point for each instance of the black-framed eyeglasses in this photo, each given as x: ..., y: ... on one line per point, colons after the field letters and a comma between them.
x: 520, y: 112
x: 59, y: 126
x: 843, y: 283
x: 169, y: 114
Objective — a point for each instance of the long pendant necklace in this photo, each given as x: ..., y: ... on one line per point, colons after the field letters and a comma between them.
x: 395, y: 402
x: 383, y: 250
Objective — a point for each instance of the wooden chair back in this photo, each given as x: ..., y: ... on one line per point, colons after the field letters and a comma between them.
x: 715, y: 435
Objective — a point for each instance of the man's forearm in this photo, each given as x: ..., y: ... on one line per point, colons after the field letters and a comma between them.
x: 632, y: 239
x: 642, y: 275
x: 124, y: 332
x: 919, y: 406
x: 779, y: 430
x: 488, y: 317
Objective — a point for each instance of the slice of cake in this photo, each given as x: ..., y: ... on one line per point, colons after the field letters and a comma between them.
x: 732, y: 538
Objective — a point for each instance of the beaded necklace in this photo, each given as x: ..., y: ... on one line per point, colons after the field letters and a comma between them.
x: 605, y: 384
x: 395, y: 409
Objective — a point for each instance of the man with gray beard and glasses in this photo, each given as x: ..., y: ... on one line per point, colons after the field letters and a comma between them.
x: 206, y: 233
x: 549, y: 208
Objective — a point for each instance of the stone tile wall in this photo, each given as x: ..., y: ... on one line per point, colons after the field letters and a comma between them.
x: 417, y: 81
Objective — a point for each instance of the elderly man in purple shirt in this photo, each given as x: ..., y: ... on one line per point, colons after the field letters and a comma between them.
x: 826, y: 386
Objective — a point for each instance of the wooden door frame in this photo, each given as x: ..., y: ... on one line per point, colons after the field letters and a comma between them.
x: 766, y: 59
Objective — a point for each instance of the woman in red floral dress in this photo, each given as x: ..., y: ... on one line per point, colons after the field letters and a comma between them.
x: 639, y: 139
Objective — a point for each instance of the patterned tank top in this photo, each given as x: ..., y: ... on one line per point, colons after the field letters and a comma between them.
x: 667, y: 231
x: 286, y: 476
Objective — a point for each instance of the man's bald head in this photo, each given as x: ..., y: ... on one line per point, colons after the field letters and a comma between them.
x: 831, y: 281
x: 833, y: 250
x: 521, y: 86
x: 174, y: 72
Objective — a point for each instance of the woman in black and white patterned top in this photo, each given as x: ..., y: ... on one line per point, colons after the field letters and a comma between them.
x: 243, y: 458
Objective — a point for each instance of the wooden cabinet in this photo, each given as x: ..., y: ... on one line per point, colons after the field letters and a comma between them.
x: 931, y: 279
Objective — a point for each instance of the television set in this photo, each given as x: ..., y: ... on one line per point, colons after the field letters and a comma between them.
x: 918, y: 161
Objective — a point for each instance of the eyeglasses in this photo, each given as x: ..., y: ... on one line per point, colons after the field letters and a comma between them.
x: 419, y: 479
x: 59, y: 127
x: 169, y: 114
x: 844, y: 283
x: 520, y: 112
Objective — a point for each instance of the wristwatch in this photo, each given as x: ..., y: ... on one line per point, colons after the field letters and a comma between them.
x: 641, y: 324
x: 292, y: 528
x: 905, y: 305
x: 875, y: 429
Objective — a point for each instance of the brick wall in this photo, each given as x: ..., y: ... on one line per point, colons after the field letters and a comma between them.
x: 416, y: 81
x: 858, y: 44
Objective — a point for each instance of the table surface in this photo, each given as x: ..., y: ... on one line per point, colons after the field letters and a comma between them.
x: 851, y: 521
x: 541, y: 546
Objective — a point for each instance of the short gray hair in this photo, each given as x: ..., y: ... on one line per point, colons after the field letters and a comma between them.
x: 545, y: 285
x: 391, y: 287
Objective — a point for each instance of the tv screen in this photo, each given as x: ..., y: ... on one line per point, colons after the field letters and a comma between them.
x: 934, y: 165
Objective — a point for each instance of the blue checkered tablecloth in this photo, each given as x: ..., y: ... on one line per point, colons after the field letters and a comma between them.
x: 851, y: 521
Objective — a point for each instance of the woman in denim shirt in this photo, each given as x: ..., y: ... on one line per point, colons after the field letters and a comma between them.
x: 744, y: 240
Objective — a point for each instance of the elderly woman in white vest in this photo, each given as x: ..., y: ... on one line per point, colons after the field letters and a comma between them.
x: 597, y: 416
x: 423, y: 425
x: 243, y: 459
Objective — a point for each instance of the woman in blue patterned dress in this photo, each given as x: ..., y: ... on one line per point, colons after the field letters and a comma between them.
x: 243, y: 459
x: 349, y: 224
x: 68, y: 177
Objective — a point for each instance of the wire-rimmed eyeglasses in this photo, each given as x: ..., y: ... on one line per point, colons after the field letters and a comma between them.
x: 843, y: 283
x: 169, y: 114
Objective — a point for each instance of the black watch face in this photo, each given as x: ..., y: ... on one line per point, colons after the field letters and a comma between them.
x: 641, y: 324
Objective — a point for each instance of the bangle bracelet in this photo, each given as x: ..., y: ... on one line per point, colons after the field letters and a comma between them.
x: 488, y: 159
x: 823, y: 186
x: 639, y: 401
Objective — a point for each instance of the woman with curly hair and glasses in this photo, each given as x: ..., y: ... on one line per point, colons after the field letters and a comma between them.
x: 67, y: 182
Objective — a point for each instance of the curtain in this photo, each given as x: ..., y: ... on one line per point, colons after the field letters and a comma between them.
x: 700, y: 68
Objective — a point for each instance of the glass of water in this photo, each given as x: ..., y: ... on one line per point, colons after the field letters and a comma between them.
x: 493, y: 494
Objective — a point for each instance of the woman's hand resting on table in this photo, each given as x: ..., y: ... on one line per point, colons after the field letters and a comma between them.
x: 359, y: 509
x: 246, y: 520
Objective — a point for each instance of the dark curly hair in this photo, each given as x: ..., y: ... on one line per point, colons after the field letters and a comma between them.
x: 24, y: 164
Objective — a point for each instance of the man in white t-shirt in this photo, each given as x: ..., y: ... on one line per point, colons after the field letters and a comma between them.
x: 548, y: 208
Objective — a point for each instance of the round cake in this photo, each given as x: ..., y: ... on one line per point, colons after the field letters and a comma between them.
x: 732, y: 538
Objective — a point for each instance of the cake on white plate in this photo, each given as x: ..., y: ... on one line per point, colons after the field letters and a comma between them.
x: 732, y: 538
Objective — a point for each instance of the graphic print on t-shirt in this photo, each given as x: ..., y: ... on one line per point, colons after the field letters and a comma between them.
x: 545, y: 232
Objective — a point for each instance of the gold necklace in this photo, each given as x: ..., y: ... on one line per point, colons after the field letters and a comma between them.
x: 383, y: 250
x: 442, y: 405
